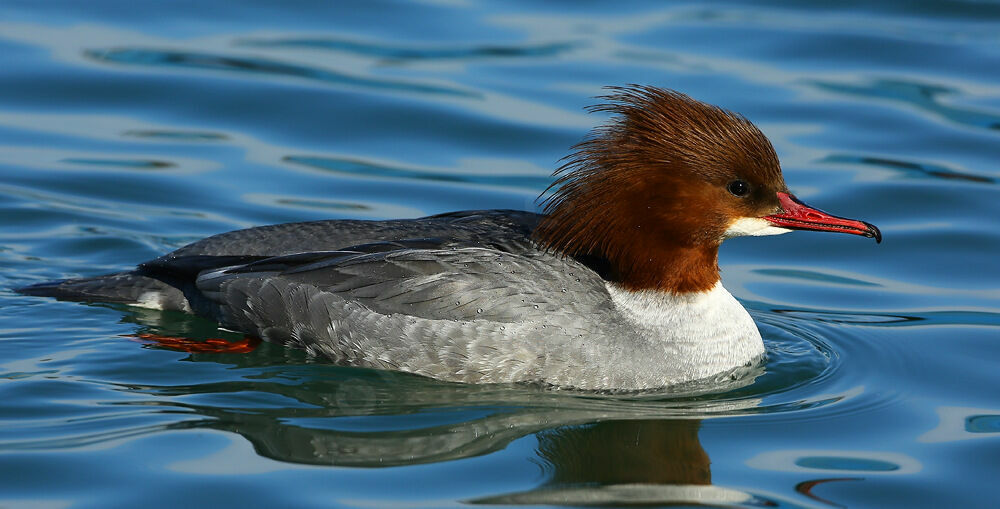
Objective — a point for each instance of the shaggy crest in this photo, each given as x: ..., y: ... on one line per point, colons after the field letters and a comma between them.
x: 611, y: 191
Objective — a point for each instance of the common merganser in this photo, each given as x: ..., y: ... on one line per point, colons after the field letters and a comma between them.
x: 615, y: 287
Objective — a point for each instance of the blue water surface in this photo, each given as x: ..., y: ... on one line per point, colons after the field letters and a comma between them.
x: 128, y: 129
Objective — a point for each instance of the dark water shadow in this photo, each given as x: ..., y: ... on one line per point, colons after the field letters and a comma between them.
x: 305, y: 203
x: 175, y: 136
x: 907, y: 167
x: 924, y: 318
x: 410, y: 52
x: 357, y: 167
x: 209, y: 61
x: 131, y: 164
x: 812, y: 276
x: 923, y: 96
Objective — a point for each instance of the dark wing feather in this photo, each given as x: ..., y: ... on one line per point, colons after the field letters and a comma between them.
x: 500, y: 229
x: 449, y: 284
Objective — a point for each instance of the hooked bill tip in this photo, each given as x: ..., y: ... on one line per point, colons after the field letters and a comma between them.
x: 873, y: 231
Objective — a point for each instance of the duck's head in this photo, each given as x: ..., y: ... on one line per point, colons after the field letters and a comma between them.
x: 653, y: 193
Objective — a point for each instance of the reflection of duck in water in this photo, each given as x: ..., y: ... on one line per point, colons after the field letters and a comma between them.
x: 592, y: 451
x: 624, y: 462
x: 616, y: 287
x: 472, y: 420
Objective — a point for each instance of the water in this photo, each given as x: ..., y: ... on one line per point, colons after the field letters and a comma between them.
x: 128, y: 130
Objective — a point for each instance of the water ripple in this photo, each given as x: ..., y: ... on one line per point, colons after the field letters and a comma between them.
x: 923, y: 96
x: 194, y: 60
x: 357, y: 167
x: 813, y: 276
x: 636, y: 495
x: 132, y: 164
x: 355, y: 207
x: 391, y: 52
x: 174, y: 135
x: 908, y: 167
x: 922, y: 318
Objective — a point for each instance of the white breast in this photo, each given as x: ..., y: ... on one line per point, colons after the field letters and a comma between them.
x: 693, y: 335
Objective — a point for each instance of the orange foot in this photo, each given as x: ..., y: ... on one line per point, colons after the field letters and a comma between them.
x: 210, y: 345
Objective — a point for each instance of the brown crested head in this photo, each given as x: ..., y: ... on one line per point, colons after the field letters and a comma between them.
x: 652, y: 194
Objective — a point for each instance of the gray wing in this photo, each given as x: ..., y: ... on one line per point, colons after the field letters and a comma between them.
x: 469, y: 314
x: 437, y: 284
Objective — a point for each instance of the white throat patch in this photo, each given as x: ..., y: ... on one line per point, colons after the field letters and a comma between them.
x: 753, y: 226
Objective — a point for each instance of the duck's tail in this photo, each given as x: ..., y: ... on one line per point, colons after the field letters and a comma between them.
x: 132, y: 288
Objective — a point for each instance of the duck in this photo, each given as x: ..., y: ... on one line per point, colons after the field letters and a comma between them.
x: 614, y: 285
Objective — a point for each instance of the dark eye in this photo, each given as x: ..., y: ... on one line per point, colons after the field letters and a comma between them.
x: 739, y: 188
